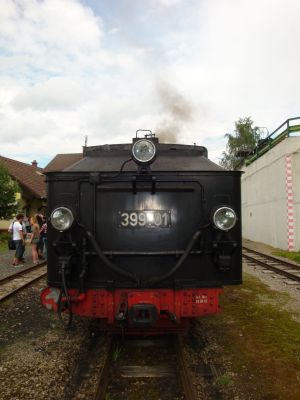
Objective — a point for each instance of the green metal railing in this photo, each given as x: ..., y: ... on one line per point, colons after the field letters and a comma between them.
x: 287, y: 129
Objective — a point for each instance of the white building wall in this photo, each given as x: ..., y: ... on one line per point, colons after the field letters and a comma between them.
x: 264, y: 196
x: 296, y: 197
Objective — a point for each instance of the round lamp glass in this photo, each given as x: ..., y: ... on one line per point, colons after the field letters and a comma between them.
x: 62, y: 218
x: 143, y: 150
x: 224, y: 218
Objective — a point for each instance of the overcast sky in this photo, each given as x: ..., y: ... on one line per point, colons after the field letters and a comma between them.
x: 103, y: 69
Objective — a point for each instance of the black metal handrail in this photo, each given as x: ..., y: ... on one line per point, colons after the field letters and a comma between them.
x: 273, y: 139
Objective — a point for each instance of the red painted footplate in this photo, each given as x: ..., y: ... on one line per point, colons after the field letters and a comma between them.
x: 150, y: 310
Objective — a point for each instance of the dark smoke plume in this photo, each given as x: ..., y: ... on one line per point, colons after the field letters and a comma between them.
x: 178, y: 112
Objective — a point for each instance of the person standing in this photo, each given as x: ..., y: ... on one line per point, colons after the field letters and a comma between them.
x: 34, y: 239
x: 26, y: 223
x: 16, y: 228
x: 24, y: 236
x: 43, y: 233
x: 40, y: 245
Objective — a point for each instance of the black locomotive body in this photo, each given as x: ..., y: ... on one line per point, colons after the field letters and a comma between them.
x: 138, y: 243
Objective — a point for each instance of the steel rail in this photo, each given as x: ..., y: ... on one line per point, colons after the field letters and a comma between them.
x: 182, y: 369
x: 20, y: 273
x: 7, y: 291
x: 272, y: 258
x: 190, y: 392
x: 104, y: 373
x: 265, y: 264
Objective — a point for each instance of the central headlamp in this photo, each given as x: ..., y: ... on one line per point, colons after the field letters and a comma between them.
x: 143, y: 151
x: 62, y: 218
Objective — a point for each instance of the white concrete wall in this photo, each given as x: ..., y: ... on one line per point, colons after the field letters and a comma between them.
x: 264, y: 208
x: 296, y: 195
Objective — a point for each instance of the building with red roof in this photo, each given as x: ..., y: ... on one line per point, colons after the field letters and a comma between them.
x: 31, y: 181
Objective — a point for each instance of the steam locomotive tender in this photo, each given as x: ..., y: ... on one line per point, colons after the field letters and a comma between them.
x: 142, y: 236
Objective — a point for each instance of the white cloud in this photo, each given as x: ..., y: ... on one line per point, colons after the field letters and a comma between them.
x: 56, y: 93
x: 238, y: 58
x: 67, y: 71
x: 167, y: 3
x: 34, y: 27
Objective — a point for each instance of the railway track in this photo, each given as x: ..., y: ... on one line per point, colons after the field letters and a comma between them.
x: 18, y: 281
x: 145, y: 368
x: 281, y: 267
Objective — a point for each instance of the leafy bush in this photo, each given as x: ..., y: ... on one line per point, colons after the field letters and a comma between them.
x: 4, y: 236
x: 9, y: 189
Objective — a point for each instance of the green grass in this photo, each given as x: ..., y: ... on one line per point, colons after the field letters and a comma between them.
x: 223, y: 380
x: 291, y: 255
x: 260, y: 316
x: 3, y: 242
x: 116, y: 354
x: 260, y: 339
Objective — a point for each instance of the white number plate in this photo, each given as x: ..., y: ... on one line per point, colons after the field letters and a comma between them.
x: 144, y: 219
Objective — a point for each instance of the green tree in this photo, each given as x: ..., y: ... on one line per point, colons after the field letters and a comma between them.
x: 8, y: 190
x: 243, y: 140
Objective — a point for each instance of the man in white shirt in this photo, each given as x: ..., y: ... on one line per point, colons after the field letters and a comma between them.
x: 18, y: 237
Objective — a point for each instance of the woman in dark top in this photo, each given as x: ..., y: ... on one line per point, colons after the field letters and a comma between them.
x: 40, y: 245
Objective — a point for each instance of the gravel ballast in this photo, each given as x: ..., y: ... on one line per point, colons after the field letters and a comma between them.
x: 38, y: 358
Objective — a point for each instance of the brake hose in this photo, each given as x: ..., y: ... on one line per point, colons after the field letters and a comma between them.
x: 106, y: 261
x: 64, y: 290
x: 181, y: 260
